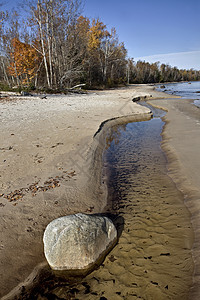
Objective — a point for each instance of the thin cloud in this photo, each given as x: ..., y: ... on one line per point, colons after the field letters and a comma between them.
x: 182, y: 60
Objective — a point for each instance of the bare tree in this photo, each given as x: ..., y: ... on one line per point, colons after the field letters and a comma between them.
x: 55, y: 20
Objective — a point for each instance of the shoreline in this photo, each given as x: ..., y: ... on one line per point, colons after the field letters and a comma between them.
x: 93, y: 170
x: 43, y: 270
x: 52, y: 179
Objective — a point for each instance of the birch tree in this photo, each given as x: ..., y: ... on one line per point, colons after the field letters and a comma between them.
x: 54, y: 21
x: 107, y: 55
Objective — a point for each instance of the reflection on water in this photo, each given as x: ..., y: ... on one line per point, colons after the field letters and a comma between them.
x: 157, y: 112
x: 114, y: 136
x: 152, y: 259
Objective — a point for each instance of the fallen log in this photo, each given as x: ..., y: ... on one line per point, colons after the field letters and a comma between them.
x: 77, y: 86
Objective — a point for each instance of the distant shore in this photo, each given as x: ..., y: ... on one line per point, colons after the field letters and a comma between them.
x: 51, y: 164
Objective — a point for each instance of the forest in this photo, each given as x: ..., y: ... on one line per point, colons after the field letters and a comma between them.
x: 49, y: 45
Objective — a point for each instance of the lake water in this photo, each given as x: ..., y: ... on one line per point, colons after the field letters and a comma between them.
x: 188, y: 90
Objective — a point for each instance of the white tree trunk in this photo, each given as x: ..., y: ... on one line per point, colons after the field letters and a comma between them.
x: 42, y: 43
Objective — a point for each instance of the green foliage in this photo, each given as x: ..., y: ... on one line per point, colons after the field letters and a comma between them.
x: 4, y: 87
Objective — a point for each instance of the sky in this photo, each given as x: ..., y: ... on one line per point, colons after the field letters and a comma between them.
x: 152, y: 30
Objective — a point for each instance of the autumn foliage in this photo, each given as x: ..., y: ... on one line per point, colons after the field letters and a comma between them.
x: 58, y: 48
x: 24, y: 61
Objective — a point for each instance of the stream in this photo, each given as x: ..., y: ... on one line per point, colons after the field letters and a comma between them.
x: 152, y: 259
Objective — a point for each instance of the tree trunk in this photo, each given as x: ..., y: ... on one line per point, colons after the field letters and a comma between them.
x: 5, y: 73
x: 42, y: 43
x: 18, y: 81
x: 49, y: 46
x: 36, y: 77
x: 128, y: 74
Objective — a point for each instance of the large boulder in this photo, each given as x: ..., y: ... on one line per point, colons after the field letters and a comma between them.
x: 78, y: 242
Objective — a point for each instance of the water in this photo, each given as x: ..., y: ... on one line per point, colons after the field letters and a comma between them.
x: 188, y: 90
x: 154, y: 250
x: 152, y: 259
x: 197, y: 103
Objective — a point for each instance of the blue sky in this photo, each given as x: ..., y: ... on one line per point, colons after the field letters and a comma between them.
x: 152, y: 30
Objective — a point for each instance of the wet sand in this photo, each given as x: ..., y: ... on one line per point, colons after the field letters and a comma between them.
x: 50, y: 167
x: 181, y: 143
x: 152, y: 259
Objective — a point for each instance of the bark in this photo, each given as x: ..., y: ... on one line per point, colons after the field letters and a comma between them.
x: 5, y: 73
x: 36, y: 77
x: 128, y: 74
x: 17, y: 77
x: 42, y: 44
x: 49, y: 38
x: 53, y: 44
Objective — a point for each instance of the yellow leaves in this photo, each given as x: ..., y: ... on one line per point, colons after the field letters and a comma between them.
x: 96, y: 33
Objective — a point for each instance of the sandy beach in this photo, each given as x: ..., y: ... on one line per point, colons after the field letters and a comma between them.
x: 50, y: 157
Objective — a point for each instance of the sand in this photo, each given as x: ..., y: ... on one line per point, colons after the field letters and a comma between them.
x: 48, y: 157
x: 181, y: 143
x: 51, y: 165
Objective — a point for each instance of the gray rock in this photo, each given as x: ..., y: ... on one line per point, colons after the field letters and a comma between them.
x: 77, y: 242
x: 23, y: 93
x: 43, y: 97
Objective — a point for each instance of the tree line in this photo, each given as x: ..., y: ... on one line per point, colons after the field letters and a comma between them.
x: 144, y: 72
x: 52, y: 45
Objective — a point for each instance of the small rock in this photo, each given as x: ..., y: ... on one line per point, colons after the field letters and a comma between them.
x: 43, y: 97
x: 78, y: 242
x: 23, y: 93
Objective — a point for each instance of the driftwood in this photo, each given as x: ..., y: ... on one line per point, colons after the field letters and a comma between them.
x: 77, y: 89
x: 77, y: 86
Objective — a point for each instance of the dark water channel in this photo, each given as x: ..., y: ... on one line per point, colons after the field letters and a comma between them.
x: 152, y: 259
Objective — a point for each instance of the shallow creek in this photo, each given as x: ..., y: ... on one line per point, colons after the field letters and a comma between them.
x: 152, y: 259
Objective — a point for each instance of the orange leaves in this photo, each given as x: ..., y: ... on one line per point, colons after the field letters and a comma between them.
x: 24, y: 61
x: 83, y: 26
